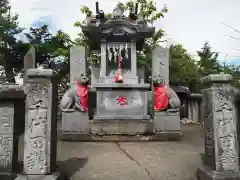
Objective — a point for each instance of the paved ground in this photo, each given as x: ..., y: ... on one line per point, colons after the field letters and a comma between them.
x: 134, y: 161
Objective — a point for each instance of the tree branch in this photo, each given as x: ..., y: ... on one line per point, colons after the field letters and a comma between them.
x: 231, y: 28
x: 232, y: 37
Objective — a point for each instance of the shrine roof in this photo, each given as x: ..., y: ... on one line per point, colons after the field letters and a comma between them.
x: 116, y: 29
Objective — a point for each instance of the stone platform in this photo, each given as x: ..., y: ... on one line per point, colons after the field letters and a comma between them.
x: 76, y: 126
x: 120, y: 130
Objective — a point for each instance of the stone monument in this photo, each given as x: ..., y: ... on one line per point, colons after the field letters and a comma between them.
x: 221, y: 158
x: 9, y: 97
x: 121, y: 111
x: 40, y: 127
x: 29, y: 62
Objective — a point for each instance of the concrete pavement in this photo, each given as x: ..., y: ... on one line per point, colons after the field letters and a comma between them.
x: 133, y: 161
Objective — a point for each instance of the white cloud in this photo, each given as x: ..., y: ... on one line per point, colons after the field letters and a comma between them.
x: 189, y: 22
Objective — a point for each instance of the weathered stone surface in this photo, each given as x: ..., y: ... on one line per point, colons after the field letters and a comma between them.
x: 7, y: 137
x: 167, y: 121
x: 29, y: 62
x: 221, y: 146
x: 121, y: 127
x: 40, y: 123
x: 194, y: 107
x: 77, y: 61
x: 74, y: 122
x: 10, y: 119
x: 125, y: 100
x: 54, y: 176
x: 160, y: 63
x: 216, y: 78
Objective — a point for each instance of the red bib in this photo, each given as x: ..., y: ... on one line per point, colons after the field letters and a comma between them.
x: 83, y: 96
x: 160, y: 98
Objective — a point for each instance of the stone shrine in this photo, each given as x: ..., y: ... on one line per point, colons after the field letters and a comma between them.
x: 122, y: 107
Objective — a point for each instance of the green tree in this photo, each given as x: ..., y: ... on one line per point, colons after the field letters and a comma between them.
x: 148, y: 12
x: 51, y: 50
x: 182, y: 68
x: 208, y: 63
x: 9, y: 57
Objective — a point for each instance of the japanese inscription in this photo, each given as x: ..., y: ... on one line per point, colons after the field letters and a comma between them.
x: 38, y: 95
x: 37, y: 137
x: 6, y: 135
x: 226, y: 131
x: 122, y: 101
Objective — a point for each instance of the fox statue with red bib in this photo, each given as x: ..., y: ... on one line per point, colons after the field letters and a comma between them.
x: 76, y: 97
x: 164, y: 96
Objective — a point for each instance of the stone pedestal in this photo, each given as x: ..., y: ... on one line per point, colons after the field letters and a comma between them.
x: 220, y: 160
x: 74, y: 123
x: 167, y: 125
x: 9, y: 96
x: 40, y: 126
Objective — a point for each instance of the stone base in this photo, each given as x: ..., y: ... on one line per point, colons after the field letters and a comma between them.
x: 7, y: 176
x: 167, y: 121
x: 121, y: 130
x: 74, y: 122
x: 206, y: 173
x: 75, y: 126
x: 165, y: 136
x: 54, y: 176
x: 121, y: 127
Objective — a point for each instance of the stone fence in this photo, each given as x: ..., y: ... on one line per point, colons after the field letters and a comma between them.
x: 194, y: 107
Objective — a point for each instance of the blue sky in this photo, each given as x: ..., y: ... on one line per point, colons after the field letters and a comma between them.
x: 189, y: 22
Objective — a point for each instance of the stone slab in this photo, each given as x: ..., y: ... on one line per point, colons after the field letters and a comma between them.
x: 77, y: 61
x: 166, y: 121
x: 113, y: 116
x: 54, y: 176
x: 8, y: 139
x: 206, y: 173
x: 160, y: 63
x: 121, y: 102
x: 29, y: 62
x: 161, y: 136
x: 7, y: 175
x: 217, y: 78
x: 74, y: 121
x: 121, y: 127
x: 102, y: 86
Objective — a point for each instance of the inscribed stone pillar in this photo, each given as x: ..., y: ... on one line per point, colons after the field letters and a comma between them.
x: 40, y: 126
x: 29, y: 62
x: 77, y: 61
x: 9, y: 95
x: 103, y: 70
x: 133, y: 59
x: 160, y: 63
x: 220, y: 160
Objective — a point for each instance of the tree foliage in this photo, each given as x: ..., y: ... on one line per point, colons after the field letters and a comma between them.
x: 9, y: 46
